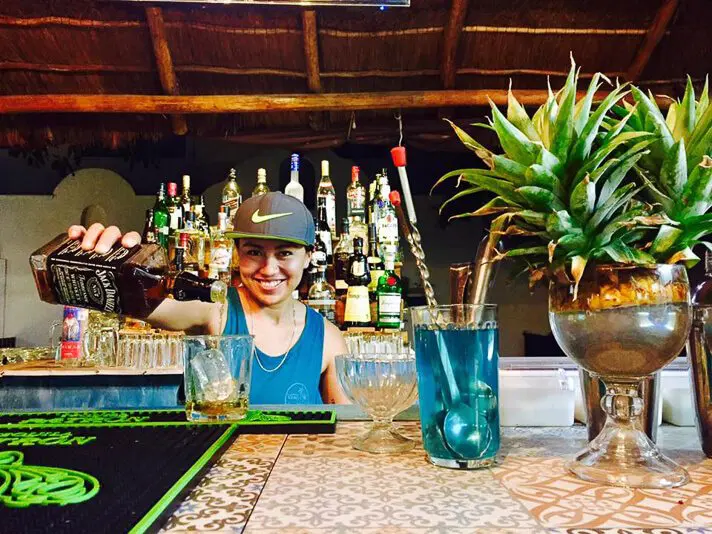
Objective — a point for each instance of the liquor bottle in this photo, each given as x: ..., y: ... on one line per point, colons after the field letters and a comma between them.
x: 261, y: 188
x: 221, y: 250
x: 191, y: 243
x: 185, y: 199
x: 201, y: 218
x: 175, y: 209
x: 387, y: 223
x: 326, y: 192
x: 231, y: 198
x: 123, y: 281
x: 699, y: 353
x: 375, y: 269
x: 319, y: 256
x: 189, y: 221
x: 342, y: 254
x: 371, y: 199
x: 389, y: 294
x: 294, y: 188
x: 178, y: 263
x: 355, y: 197
x: 322, y: 296
x: 149, y: 228
x: 160, y: 217
x: 358, y: 228
x: 357, y: 312
x: 322, y: 228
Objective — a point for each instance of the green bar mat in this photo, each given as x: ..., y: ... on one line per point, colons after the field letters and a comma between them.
x: 102, y: 479
x: 256, y: 422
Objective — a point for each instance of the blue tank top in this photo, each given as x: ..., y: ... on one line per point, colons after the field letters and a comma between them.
x: 297, y: 381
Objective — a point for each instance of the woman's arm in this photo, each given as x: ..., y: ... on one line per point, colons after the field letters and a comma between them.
x: 334, y: 344
x: 193, y: 317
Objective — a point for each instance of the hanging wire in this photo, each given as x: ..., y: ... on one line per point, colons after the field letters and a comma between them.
x: 352, y: 125
x: 399, y: 117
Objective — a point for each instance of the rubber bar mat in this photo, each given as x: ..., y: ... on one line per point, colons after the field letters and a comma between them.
x: 256, y: 421
x: 101, y: 479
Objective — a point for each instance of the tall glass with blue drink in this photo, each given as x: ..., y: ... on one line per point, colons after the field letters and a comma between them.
x: 457, y: 354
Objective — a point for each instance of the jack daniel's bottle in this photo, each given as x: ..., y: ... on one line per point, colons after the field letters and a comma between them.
x: 129, y: 281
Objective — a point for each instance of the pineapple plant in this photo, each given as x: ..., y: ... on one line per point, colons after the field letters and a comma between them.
x: 677, y: 170
x: 563, y: 183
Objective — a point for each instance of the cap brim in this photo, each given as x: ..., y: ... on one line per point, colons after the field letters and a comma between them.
x: 240, y: 235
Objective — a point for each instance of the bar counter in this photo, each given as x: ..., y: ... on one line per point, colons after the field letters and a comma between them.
x: 319, y: 483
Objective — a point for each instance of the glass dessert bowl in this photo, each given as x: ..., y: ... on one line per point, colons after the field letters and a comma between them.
x: 383, y: 385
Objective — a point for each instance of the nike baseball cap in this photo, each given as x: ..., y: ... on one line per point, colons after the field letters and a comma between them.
x: 274, y: 216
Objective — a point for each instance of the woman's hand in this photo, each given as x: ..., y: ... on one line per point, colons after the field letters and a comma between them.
x: 101, y: 239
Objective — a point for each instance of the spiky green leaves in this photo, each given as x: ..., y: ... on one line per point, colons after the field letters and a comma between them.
x: 574, y: 181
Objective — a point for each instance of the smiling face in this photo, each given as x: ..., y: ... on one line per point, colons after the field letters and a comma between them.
x: 270, y: 269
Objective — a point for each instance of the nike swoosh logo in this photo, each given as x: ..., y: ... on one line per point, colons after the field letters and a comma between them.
x: 257, y: 218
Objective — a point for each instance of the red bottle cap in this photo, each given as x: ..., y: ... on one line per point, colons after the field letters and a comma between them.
x: 172, y: 189
x: 398, y: 155
x: 354, y: 173
x: 395, y: 198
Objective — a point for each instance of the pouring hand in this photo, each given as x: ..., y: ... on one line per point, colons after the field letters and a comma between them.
x: 101, y: 239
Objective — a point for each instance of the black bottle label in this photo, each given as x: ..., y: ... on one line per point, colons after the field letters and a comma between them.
x: 88, y: 279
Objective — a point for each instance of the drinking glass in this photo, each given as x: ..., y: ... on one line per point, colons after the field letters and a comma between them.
x: 161, y: 356
x: 217, y: 372
x: 375, y: 342
x: 101, y: 346
x: 457, y: 352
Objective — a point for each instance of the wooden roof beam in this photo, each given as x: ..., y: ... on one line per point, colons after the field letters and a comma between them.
x: 311, y: 50
x: 155, y: 104
x: 652, y: 38
x: 164, y: 63
x: 451, y: 38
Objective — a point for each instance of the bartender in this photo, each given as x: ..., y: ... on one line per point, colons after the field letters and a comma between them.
x: 295, y: 345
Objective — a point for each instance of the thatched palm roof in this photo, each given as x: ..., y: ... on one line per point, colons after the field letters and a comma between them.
x: 95, y: 47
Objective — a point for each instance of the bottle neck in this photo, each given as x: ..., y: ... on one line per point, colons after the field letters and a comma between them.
x: 187, y: 286
x: 318, y: 276
x: 708, y: 264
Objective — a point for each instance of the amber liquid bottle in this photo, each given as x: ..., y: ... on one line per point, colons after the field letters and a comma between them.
x: 128, y: 281
x: 357, y: 313
x: 699, y: 353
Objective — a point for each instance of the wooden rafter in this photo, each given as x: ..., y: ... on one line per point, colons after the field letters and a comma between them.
x: 451, y: 38
x: 164, y: 63
x: 311, y: 50
x: 652, y: 38
x: 266, y: 103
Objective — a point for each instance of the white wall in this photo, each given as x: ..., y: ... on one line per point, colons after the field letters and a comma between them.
x: 28, y: 222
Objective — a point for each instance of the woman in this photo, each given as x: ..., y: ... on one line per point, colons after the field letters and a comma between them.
x: 294, y: 360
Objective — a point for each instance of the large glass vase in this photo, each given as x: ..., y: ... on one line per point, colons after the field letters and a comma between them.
x: 622, y: 325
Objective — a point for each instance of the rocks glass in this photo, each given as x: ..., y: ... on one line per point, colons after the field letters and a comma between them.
x: 217, y: 372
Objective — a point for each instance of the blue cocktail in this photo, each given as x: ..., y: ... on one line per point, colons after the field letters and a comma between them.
x: 457, y: 360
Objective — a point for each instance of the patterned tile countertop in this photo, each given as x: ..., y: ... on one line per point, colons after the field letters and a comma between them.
x: 298, y: 484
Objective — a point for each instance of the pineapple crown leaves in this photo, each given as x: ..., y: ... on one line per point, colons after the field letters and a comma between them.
x: 677, y: 172
x: 563, y: 179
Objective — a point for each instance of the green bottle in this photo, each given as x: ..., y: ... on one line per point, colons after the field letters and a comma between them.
x: 160, y: 217
x: 389, y: 294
